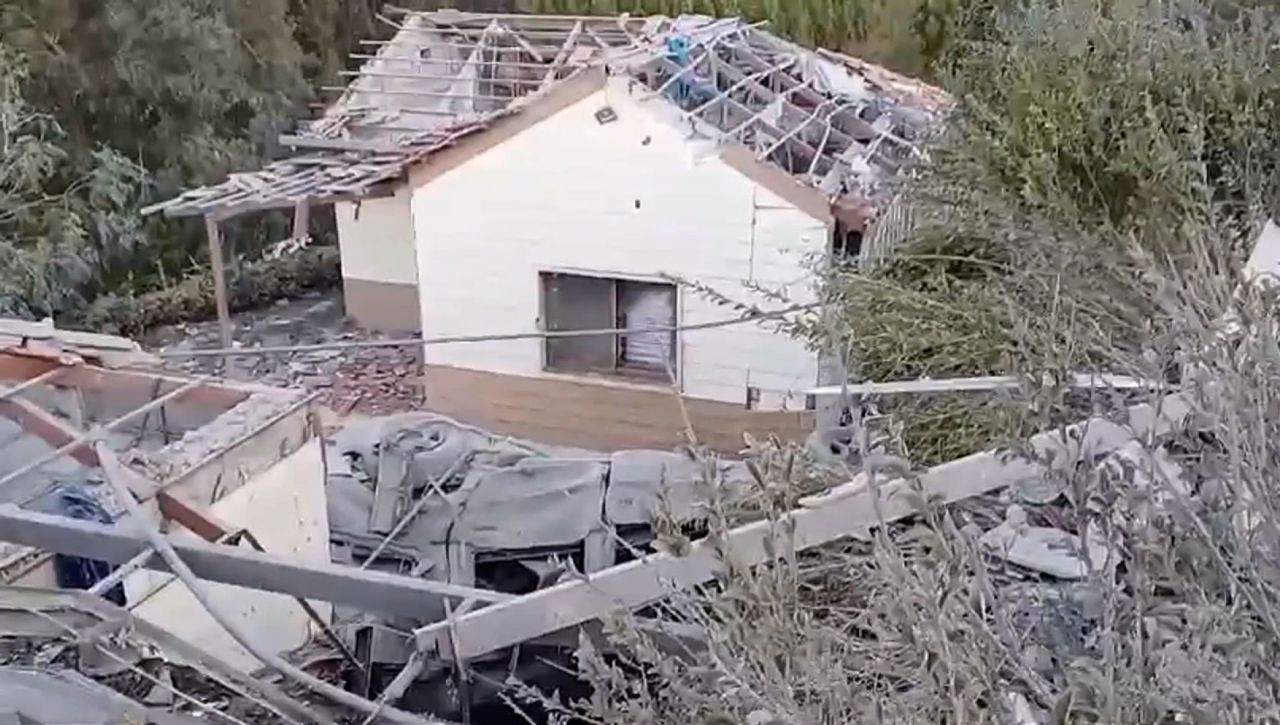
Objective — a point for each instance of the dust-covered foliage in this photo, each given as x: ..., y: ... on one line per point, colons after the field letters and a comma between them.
x: 1090, y: 142
x: 49, y: 215
x: 1114, y: 161
x: 125, y: 101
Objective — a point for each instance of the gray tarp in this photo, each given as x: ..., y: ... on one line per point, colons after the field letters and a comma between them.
x: 509, y: 495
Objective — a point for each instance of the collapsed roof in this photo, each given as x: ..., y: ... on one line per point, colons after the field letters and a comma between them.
x: 73, y: 405
x: 835, y: 123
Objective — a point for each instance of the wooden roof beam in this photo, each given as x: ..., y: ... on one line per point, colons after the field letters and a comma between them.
x: 495, y: 63
x: 858, y: 130
x: 833, y: 134
x: 707, y: 48
x: 368, y: 590
x: 420, y: 94
x: 430, y: 77
x: 753, y: 78
x: 562, y: 56
x: 768, y: 127
x: 223, y: 212
x: 338, y: 144
x: 843, y: 513
x: 736, y: 73
x: 456, y: 17
x: 443, y: 44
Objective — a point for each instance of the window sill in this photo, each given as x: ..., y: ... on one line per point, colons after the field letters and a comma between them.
x: 630, y: 379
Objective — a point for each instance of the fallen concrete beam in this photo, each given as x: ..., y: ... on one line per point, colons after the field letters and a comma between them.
x: 370, y: 591
x: 650, y: 579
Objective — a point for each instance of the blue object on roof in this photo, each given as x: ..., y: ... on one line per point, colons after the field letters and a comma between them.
x: 678, y: 49
x: 678, y: 53
x: 76, y: 501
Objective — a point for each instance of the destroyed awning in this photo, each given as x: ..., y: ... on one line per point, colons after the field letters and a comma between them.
x: 321, y: 177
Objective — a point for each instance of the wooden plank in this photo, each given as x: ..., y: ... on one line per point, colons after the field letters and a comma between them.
x: 740, y: 83
x: 83, y: 439
x: 562, y: 56
x: 495, y: 63
x: 340, y: 144
x: 839, y: 515
x: 372, y: 591
x: 436, y: 77
x: 460, y: 46
x: 122, y: 384
x: 42, y: 424
x: 195, y: 521
x: 40, y: 379
x: 219, y: 278
x: 302, y: 219
x: 418, y: 94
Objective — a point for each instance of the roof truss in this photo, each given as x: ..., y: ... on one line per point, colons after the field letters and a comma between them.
x: 448, y: 73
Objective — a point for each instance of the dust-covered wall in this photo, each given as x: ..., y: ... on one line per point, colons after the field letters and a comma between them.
x: 379, y: 265
x: 631, y: 198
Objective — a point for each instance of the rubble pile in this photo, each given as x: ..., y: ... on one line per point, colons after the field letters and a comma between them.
x: 70, y: 658
x: 367, y: 380
x: 425, y: 495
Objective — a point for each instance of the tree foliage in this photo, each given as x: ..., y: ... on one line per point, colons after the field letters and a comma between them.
x: 1083, y: 140
x: 128, y: 101
x: 882, y: 30
x: 61, y: 217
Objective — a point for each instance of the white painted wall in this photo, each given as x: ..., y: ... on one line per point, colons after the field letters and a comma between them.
x: 376, y: 239
x: 285, y: 508
x: 563, y: 196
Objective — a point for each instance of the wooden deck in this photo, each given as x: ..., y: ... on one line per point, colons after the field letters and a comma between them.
x: 600, y: 416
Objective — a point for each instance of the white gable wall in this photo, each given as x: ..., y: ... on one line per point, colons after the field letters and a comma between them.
x: 377, y: 239
x: 629, y: 199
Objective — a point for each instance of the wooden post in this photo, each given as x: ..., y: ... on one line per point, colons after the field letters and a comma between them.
x: 301, y: 218
x: 219, y: 278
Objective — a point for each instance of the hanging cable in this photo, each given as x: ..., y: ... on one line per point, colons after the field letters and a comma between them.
x: 458, y: 339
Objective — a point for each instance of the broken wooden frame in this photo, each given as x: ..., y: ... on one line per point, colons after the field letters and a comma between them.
x: 368, y: 590
x: 148, y: 404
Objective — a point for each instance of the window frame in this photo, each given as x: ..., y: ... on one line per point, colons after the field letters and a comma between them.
x: 618, y: 372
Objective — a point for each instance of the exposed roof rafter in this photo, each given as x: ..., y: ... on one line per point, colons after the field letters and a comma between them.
x: 446, y: 74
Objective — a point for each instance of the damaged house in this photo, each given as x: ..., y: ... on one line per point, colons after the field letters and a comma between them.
x: 502, y: 175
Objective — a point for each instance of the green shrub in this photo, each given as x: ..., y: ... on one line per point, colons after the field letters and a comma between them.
x: 258, y: 283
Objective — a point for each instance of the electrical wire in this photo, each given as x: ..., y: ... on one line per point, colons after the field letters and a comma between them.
x: 457, y: 339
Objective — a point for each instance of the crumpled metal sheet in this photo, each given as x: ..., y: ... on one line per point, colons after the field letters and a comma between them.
x: 434, y: 441
x: 510, y: 495
x: 536, y: 502
x: 63, y: 697
x: 644, y: 483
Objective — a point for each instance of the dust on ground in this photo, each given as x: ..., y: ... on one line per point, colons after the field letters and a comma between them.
x: 363, y: 381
